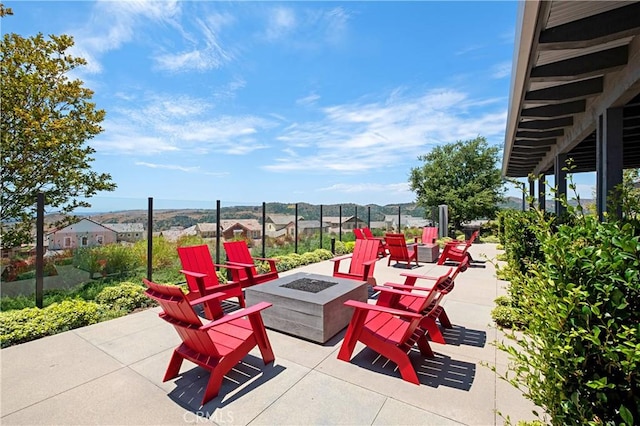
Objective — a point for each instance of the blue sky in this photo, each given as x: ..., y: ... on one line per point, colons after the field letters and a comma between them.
x: 320, y: 102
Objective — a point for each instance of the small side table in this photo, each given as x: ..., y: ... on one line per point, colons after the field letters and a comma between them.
x: 428, y: 253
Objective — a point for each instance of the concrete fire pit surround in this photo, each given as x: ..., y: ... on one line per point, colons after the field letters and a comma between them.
x: 312, y: 316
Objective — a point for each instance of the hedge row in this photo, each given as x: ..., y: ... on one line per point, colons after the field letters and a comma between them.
x: 576, y: 288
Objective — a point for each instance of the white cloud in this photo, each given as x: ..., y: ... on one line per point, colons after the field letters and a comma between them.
x: 402, y: 187
x: 501, y: 70
x: 167, y: 167
x: 280, y: 22
x: 193, y: 169
x: 364, y: 136
x: 114, y: 23
x: 179, y: 123
x: 306, y: 27
x: 308, y: 100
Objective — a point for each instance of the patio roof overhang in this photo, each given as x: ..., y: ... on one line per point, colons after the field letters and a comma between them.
x: 573, y: 60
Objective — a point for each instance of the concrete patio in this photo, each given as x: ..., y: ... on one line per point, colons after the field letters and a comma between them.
x: 111, y: 373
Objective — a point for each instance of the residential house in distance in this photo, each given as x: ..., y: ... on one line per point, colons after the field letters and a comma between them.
x: 84, y: 233
x: 310, y: 227
x: 245, y: 228
x: 129, y: 232
x: 175, y: 232
x: 348, y: 222
x: 207, y: 230
x: 406, y: 221
x: 277, y: 225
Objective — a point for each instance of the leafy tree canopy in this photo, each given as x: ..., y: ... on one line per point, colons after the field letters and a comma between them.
x: 46, y: 120
x: 462, y: 175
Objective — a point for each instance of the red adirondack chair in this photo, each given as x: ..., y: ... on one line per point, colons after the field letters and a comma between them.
x: 400, y: 251
x: 200, y: 273
x: 390, y: 332
x: 435, y: 311
x: 363, y: 262
x: 429, y: 235
x: 382, y: 246
x: 217, y: 346
x: 455, y: 251
x: 238, y: 255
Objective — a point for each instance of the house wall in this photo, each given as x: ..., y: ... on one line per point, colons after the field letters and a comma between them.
x: 62, y: 240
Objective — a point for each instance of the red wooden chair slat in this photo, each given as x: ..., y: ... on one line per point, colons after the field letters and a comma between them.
x: 217, y: 346
x: 197, y: 260
x: 399, y: 251
x: 429, y: 235
x: 238, y: 254
x: 382, y: 245
x: 363, y: 261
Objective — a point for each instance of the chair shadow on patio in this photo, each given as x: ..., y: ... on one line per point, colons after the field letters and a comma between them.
x: 246, y: 376
x: 441, y: 370
x: 460, y: 335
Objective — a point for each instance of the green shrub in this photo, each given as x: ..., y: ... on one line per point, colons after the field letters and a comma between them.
x: 124, y: 297
x: 33, y: 323
x: 502, y: 301
x: 324, y: 254
x: 349, y: 246
x: 506, y: 317
x: 340, y: 248
x: 119, y: 259
x: 579, y: 354
x: 310, y: 257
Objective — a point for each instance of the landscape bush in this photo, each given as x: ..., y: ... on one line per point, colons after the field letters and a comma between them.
x: 578, y: 294
x: 126, y: 297
x: 28, y: 324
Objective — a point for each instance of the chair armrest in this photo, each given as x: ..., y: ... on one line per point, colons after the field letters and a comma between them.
x: 237, y: 314
x: 193, y: 274
x: 363, y: 305
x: 229, y: 266
x: 243, y: 265
x: 425, y: 277
x: 208, y: 297
x: 267, y: 259
x: 401, y: 292
x: 406, y: 287
x: 339, y: 258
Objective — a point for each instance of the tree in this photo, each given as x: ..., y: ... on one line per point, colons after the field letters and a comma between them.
x: 462, y: 175
x: 46, y: 120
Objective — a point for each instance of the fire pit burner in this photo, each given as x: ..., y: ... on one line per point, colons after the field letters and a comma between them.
x: 308, y: 284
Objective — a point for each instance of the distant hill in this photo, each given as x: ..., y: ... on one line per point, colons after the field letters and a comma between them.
x: 167, y: 218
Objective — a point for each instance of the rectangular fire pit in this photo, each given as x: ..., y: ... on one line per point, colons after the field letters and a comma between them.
x: 307, y: 305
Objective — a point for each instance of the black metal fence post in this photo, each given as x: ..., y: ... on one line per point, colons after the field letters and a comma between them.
x: 399, y: 226
x: 369, y: 217
x: 320, y: 225
x: 355, y: 214
x: 150, y: 239
x: 340, y: 222
x: 264, y: 229
x: 218, y: 227
x: 39, y: 249
x: 295, y: 231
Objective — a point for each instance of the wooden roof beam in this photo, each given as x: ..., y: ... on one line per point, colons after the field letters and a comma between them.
x: 565, y: 92
x: 593, y: 30
x: 555, y: 110
x: 555, y: 123
x: 582, y: 66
